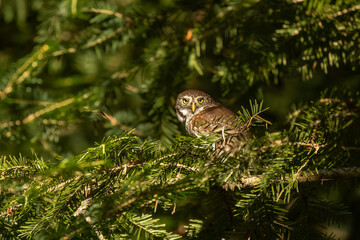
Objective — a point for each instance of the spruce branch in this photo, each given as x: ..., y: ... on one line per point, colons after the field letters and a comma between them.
x: 114, y: 122
x: 53, y: 107
x: 82, y: 210
x: 319, y: 175
x: 63, y: 52
x: 30, y: 102
x: 49, y: 108
x: 103, y: 38
x: 24, y: 71
x: 105, y: 11
x: 130, y: 60
x: 343, y: 12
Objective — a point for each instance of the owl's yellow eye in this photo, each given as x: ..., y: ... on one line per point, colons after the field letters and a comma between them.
x: 201, y: 100
x: 185, y: 100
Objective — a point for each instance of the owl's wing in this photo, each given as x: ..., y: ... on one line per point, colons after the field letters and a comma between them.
x: 222, y: 121
x: 216, y: 119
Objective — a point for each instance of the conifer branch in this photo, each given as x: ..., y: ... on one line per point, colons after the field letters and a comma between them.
x: 103, y: 38
x: 319, y: 175
x: 53, y: 107
x: 344, y: 11
x: 62, y: 52
x: 115, y: 122
x: 130, y: 60
x: 105, y: 11
x: 24, y: 71
x: 82, y: 210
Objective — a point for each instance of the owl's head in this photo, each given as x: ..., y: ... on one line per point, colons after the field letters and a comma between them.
x: 191, y: 102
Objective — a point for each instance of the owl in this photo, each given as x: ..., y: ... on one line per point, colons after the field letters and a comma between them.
x: 202, y: 115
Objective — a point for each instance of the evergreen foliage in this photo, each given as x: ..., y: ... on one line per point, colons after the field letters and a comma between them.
x: 76, y: 72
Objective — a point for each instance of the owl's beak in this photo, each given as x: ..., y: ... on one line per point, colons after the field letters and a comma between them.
x: 193, y: 107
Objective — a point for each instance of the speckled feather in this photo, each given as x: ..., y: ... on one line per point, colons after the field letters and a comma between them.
x: 209, y: 117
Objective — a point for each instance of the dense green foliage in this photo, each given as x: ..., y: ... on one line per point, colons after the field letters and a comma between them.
x: 76, y: 72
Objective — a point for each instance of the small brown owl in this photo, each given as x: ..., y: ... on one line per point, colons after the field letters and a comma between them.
x: 202, y: 115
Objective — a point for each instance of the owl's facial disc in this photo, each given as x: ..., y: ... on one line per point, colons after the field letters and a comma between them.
x: 188, y: 106
x: 184, y: 114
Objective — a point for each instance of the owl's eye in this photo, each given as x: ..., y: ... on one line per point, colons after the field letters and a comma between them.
x: 201, y: 100
x: 185, y: 101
